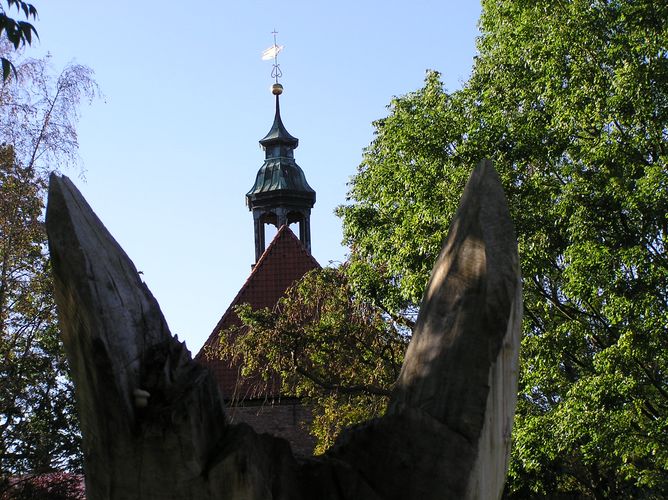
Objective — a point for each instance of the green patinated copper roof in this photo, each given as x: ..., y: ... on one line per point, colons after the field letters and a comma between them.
x: 278, y: 133
x: 280, y: 174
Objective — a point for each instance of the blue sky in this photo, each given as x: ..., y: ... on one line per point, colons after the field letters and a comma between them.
x: 171, y: 149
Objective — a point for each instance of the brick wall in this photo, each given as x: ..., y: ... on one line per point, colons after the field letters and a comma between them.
x: 288, y: 419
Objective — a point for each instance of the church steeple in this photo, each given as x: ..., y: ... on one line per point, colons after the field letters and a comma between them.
x: 280, y: 194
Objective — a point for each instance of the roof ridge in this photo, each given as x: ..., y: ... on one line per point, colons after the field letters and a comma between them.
x: 284, y: 234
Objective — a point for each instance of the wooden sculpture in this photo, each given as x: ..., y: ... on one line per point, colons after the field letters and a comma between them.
x: 153, y: 421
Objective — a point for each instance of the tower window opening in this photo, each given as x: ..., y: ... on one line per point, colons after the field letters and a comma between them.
x: 270, y: 231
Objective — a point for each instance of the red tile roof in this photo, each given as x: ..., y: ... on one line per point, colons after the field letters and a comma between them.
x: 283, y: 262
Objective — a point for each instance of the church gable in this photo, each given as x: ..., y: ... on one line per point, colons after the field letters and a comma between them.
x: 283, y: 263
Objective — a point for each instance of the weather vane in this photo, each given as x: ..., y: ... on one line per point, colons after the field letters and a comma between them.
x: 276, y: 73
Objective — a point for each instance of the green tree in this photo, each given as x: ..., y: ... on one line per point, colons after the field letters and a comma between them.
x: 38, y: 113
x: 404, y: 194
x: 570, y: 99
x: 322, y: 344
x: 586, y: 127
x: 38, y: 429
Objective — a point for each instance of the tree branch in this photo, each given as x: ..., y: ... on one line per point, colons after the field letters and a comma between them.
x: 353, y: 389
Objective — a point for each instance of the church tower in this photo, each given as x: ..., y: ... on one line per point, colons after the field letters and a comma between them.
x: 280, y: 196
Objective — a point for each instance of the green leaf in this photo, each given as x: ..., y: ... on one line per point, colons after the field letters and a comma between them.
x: 7, y: 68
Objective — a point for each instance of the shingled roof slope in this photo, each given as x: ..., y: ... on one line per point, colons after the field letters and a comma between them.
x: 283, y: 262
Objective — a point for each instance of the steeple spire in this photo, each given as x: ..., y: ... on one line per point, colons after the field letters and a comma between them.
x: 280, y: 194
x: 278, y: 133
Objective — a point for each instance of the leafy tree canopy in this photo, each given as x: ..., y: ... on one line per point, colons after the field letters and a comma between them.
x: 38, y: 427
x: 571, y: 101
x: 322, y: 344
x: 583, y: 132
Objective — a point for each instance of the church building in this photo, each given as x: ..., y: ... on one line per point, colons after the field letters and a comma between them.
x: 280, y: 197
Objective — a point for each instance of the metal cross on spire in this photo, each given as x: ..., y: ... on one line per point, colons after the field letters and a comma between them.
x: 272, y: 53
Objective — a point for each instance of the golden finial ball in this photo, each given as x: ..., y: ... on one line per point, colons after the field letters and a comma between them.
x: 277, y: 89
